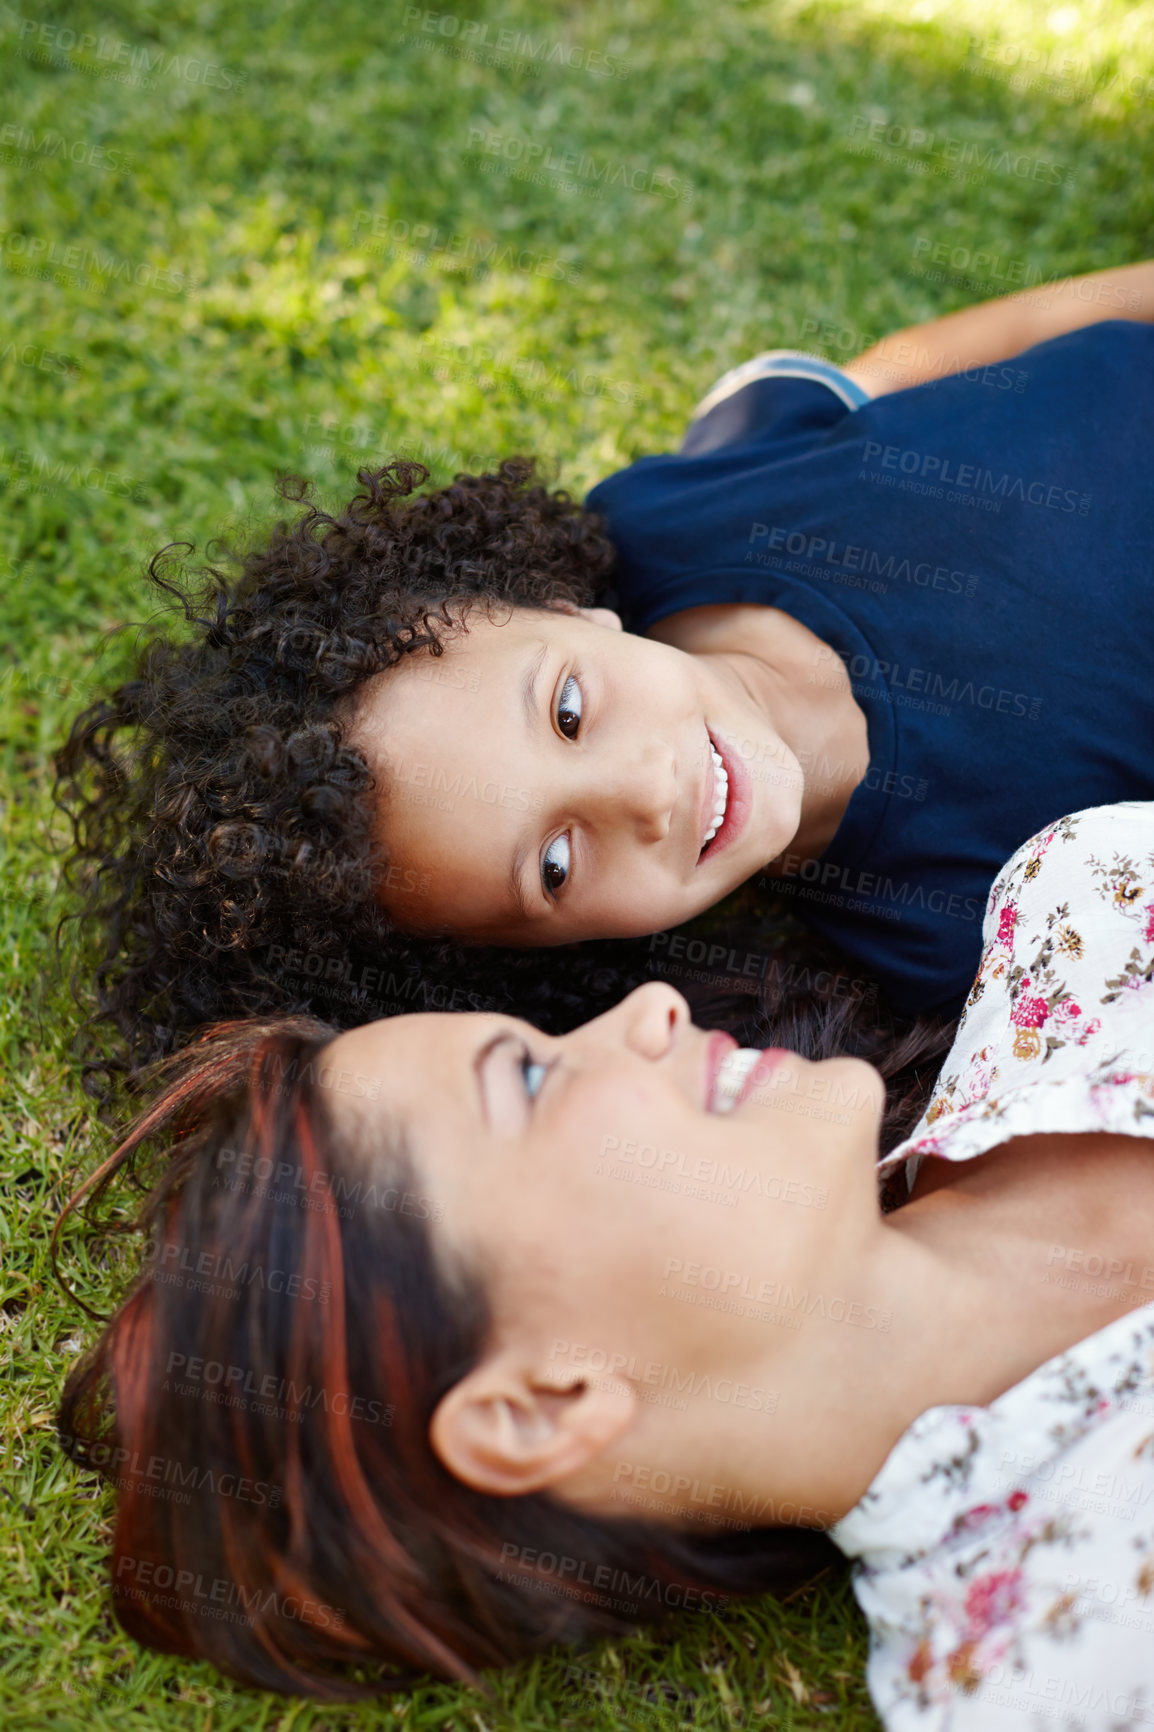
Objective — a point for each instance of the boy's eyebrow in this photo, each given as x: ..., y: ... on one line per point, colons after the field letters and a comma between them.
x: 515, y: 888
x: 529, y: 684
x: 531, y: 707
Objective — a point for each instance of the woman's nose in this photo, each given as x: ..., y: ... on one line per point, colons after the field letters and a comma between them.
x: 646, y: 1022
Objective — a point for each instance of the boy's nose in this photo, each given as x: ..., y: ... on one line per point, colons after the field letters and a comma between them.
x: 638, y: 789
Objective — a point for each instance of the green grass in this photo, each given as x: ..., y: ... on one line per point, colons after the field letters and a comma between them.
x: 251, y: 292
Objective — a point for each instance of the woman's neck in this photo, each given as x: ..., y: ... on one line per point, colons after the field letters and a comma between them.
x: 982, y: 1279
x: 950, y: 1302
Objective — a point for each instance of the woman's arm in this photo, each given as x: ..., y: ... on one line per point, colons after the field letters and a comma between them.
x: 995, y: 330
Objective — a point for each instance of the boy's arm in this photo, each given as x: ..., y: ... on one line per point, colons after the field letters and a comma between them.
x: 995, y: 330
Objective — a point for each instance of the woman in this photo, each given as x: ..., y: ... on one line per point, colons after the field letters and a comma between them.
x: 501, y: 1325
x: 406, y: 732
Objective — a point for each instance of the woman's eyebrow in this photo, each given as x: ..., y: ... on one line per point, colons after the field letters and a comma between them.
x: 529, y: 683
x: 479, y: 1060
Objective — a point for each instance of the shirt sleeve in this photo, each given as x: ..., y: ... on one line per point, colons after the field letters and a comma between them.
x: 1038, y: 1609
x: 773, y: 396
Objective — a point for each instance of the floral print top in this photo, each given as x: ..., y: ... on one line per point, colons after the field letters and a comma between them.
x: 1006, y: 1553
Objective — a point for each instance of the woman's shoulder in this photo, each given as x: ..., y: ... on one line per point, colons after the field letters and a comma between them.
x: 1072, y: 851
x: 1097, y: 864
x: 1058, y: 1029
x: 1006, y: 1562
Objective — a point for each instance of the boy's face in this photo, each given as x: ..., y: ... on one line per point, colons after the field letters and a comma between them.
x: 551, y: 778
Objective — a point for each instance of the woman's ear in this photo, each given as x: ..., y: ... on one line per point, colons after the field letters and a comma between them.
x: 507, y: 1430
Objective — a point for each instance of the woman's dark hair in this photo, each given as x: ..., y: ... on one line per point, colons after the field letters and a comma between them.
x: 262, y: 1402
x: 223, y: 830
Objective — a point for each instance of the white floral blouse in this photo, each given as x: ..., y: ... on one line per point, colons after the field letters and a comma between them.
x: 1006, y: 1553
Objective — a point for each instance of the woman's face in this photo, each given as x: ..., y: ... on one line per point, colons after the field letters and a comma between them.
x: 551, y: 778
x: 586, y: 1179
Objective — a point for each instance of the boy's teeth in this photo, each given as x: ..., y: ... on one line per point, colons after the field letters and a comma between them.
x: 731, y: 1075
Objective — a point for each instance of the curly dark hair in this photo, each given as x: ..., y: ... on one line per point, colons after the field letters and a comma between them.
x: 223, y: 840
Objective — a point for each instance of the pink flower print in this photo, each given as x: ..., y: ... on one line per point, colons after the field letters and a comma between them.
x: 1067, y: 1011
x: 1017, y: 1500
x: 992, y: 1600
x: 1030, y: 1011
x: 1006, y: 923
x: 980, y: 1514
x: 1148, y: 929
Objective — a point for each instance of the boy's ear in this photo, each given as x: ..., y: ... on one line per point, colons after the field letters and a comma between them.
x: 602, y: 616
x: 506, y: 1431
x: 595, y: 615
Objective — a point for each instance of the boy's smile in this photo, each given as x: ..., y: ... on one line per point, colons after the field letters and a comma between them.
x: 551, y: 778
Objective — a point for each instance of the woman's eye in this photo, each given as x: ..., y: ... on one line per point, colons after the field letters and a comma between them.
x: 569, y: 708
x: 555, y: 864
x: 534, y: 1075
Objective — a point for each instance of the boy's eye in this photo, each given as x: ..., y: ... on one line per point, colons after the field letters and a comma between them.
x: 569, y: 708
x: 534, y: 1074
x: 555, y: 864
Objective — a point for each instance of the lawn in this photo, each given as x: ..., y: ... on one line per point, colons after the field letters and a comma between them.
x: 246, y: 239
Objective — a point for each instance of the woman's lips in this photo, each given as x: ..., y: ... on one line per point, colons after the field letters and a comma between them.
x: 740, y: 801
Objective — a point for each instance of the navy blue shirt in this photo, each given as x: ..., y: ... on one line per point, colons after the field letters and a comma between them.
x: 979, y: 552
